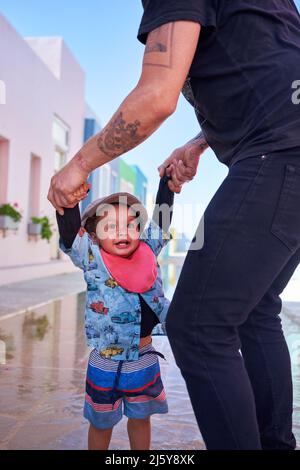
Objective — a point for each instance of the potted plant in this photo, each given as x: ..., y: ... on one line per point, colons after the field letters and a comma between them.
x: 35, y: 226
x: 40, y: 226
x: 10, y: 216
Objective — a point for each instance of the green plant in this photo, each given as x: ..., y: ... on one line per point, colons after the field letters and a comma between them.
x: 46, y: 232
x: 11, y: 211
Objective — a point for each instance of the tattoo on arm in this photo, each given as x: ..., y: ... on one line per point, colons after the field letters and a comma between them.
x: 158, y: 51
x: 200, y: 141
x: 155, y: 47
x: 119, y: 137
x: 82, y: 163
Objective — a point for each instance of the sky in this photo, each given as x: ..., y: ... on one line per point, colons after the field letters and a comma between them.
x: 102, y: 36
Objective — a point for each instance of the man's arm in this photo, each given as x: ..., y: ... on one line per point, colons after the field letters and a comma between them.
x: 167, y: 59
x: 183, y: 162
x: 198, y: 142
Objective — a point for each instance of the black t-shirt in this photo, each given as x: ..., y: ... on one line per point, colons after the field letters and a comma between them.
x: 240, y: 81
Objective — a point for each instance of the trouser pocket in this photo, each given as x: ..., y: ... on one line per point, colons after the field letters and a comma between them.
x: 286, y: 221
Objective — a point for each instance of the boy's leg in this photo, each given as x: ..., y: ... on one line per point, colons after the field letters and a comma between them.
x: 145, y: 395
x: 268, y: 364
x: 139, y: 433
x: 103, y: 404
x: 99, y: 439
x: 252, y: 229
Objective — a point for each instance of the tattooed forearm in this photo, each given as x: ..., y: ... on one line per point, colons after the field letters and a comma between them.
x: 158, y: 51
x: 199, y: 141
x: 82, y: 163
x: 119, y: 137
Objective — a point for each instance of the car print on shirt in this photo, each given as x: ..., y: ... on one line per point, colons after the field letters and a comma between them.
x: 110, y: 282
x: 98, y: 307
x: 91, y: 256
x: 124, y: 317
x: 110, y: 351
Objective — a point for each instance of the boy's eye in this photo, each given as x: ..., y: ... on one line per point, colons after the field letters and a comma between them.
x: 110, y: 226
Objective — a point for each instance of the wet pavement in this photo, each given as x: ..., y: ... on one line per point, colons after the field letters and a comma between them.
x: 42, y: 382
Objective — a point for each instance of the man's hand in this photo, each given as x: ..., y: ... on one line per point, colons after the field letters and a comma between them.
x: 66, y: 187
x: 183, y: 163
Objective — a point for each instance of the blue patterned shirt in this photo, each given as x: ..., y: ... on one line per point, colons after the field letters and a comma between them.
x: 113, y: 314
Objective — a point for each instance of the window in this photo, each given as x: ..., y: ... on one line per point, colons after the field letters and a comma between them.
x: 60, y: 159
x: 2, y: 92
x: 61, y: 138
x: 4, y: 154
x: 61, y: 133
x: 34, y: 186
x: 104, y: 181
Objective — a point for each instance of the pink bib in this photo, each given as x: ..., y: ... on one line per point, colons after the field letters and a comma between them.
x: 137, y: 273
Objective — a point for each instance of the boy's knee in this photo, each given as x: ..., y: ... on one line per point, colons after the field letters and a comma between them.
x: 139, y: 420
x: 93, y: 429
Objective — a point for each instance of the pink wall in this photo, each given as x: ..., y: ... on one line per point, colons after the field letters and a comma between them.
x: 42, y: 80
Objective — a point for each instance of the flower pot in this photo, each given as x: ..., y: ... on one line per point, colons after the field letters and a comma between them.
x: 34, y: 229
x: 7, y: 223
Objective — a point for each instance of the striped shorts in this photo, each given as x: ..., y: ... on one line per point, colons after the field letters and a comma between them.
x: 134, y: 385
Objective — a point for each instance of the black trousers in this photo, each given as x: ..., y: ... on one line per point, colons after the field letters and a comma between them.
x: 223, y: 323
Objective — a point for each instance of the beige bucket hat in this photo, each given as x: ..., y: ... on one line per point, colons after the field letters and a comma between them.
x: 121, y: 198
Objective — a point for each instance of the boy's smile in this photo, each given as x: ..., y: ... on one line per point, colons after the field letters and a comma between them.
x: 118, y: 230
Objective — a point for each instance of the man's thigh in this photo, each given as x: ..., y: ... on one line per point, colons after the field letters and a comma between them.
x: 263, y: 322
x: 251, y: 230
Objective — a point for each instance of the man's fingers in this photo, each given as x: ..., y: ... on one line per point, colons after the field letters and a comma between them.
x: 175, y: 177
x: 163, y: 167
x: 180, y: 173
x: 185, y: 172
x: 58, y: 206
x: 161, y: 170
x: 169, y: 170
x: 51, y: 199
x: 173, y: 187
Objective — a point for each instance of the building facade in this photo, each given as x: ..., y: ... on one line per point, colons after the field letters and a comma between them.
x: 41, y: 128
x: 43, y: 123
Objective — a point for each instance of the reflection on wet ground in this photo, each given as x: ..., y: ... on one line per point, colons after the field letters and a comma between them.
x: 42, y: 383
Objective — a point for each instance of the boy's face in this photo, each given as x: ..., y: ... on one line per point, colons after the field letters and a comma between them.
x: 117, y: 230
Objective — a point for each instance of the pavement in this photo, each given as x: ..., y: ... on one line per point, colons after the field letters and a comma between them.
x: 42, y: 379
x: 42, y: 385
x: 18, y: 297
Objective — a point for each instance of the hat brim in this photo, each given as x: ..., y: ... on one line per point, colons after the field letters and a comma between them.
x: 120, y: 198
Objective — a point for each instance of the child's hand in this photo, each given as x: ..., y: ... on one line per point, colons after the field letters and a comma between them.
x: 81, y: 193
